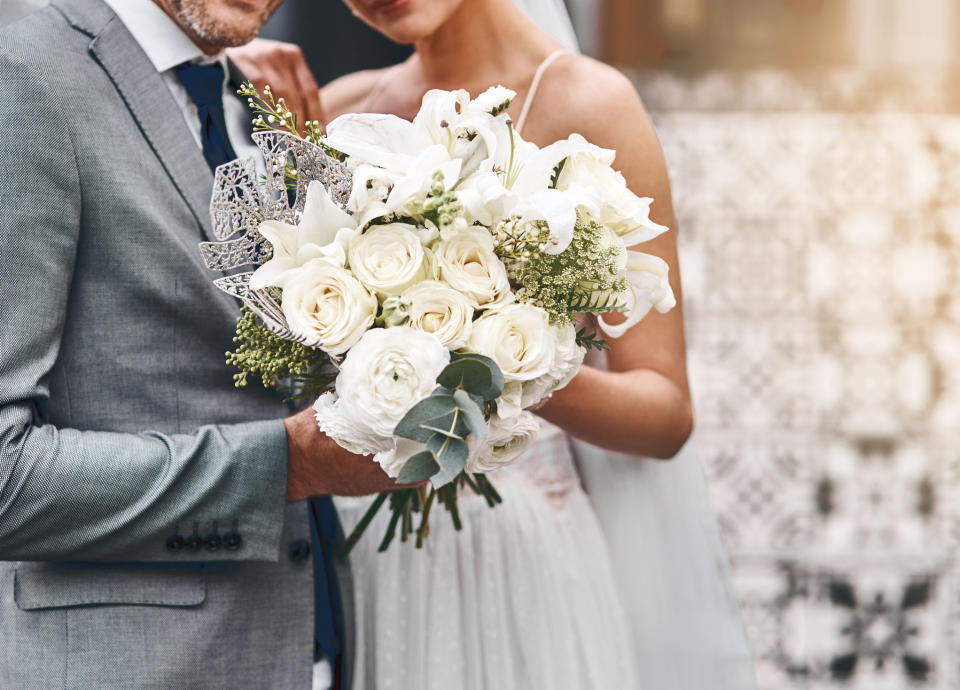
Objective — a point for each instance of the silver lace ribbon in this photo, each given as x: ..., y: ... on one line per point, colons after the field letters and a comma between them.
x: 242, y: 199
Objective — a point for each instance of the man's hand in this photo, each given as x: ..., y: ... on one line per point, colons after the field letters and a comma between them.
x: 283, y: 67
x: 317, y: 465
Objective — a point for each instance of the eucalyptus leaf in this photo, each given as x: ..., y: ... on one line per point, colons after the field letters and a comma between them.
x: 472, y: 413
x: 468, y: 374
x: 451, y: 455
x: 431, y: 411
x: 419, y: 467
x: 496, y: 376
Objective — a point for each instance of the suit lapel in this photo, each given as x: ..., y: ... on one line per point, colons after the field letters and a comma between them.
x: 150, y: 102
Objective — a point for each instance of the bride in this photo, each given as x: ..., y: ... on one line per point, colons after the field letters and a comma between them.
x: 532, y: 599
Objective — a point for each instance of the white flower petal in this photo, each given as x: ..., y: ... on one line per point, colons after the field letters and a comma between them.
x: 321, y: 218
x: 387, y: 141
x: 648, y: 286
x: 273, y: 272
x: 558, y: 210
x: 538, y: 168
x: 492, y: 98
x: 281, y: 236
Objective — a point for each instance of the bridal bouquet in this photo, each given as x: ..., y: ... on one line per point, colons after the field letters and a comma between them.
x: 422, y: 280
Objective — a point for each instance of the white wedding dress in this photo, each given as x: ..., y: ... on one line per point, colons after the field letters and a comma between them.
x: 523, y: 598
x: 553, y: 589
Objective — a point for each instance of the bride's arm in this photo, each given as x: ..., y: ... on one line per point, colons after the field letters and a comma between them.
x: 641, y: 405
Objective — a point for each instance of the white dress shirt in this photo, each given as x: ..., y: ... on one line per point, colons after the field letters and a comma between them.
x: 167, y: 46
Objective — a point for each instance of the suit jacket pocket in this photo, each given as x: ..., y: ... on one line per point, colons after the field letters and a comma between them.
x: 40, y: 586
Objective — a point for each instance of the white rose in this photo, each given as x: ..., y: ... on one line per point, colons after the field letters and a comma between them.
x: 468, y: 263
x: 519, y: 338
x: 567, y: 361
x: 506, y: 439
x: 327, y: 306
x: 384, y: 375
x: 435, y: 307
x: 388, y: 258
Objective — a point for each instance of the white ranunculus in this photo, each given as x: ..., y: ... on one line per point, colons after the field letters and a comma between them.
x: 648, y: 286
x: 468, y: 263
x: 388, y: 258
x: 435, y: 307
x: 329, y: 412
x: 384, y: 375
x: 589, y: 171
x: 519, y: 338
x: 506, y: 439
x: 393, y: 460
x: 327, y: 306
x: 324, y: 232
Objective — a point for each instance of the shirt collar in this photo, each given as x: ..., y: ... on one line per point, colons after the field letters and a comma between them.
x: 164, y: 42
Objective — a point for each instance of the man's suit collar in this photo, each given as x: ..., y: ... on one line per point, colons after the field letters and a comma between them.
x: 84, y: 15
x: 149, y: 100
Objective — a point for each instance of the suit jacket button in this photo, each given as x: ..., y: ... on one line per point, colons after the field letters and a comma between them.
x: 212, y: 542
x: 232, y: 541
x: 175, y: 543
x: 194, y: 542
x: 299, y: 550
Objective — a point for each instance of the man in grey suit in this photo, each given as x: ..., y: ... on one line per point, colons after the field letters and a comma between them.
x: 153, y: 527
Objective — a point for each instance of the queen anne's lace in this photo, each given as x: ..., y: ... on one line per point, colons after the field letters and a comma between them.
x: 242, y: 199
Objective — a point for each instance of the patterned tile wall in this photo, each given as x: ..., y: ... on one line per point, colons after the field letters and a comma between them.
x: 819, y: 221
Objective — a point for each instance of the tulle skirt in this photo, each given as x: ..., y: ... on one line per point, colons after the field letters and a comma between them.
x: 524, y: 597
x: 672, y: 568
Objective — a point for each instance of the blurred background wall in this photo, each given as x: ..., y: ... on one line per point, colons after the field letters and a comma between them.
x: 814, y: 148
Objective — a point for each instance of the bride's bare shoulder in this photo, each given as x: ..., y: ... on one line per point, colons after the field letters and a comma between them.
x: 591, y: 98
x: 347, y: 94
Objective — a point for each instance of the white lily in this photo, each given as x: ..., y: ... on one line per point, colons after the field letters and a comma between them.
x: 324, y: 232
x: 464, y: 126
x: 419, y: 176
x: 648, y: 286
x: 386, y: 141
x: 589, y: 171
x: 446, y: 118
x: 527, y: 173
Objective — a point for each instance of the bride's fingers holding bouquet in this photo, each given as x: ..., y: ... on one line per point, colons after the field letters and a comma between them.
x: 282, y: 67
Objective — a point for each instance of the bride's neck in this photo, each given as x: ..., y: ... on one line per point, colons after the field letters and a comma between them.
x: 482, y: 40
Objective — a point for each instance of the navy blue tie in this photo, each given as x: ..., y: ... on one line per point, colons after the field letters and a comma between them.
x: 204, y: 83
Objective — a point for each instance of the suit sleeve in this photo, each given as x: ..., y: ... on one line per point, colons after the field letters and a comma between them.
x: 67, y: 494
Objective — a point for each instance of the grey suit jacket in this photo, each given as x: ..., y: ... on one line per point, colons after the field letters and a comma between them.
x: 120, y: 429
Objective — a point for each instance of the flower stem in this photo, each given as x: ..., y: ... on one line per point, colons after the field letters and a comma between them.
x: 364, y: 523
x: 391, y: 529
x: 425, y: 520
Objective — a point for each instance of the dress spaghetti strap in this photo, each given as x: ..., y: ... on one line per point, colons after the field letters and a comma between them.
x: 534, y: 85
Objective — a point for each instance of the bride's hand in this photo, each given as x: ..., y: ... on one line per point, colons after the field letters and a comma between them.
x: 283, y: 67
